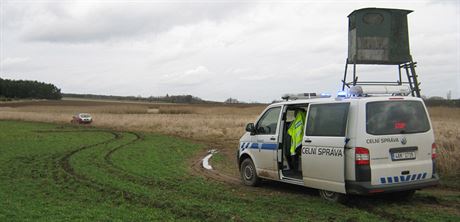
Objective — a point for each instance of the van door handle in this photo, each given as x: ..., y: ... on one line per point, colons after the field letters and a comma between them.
x: 273, y: 138
x: 308, y: 141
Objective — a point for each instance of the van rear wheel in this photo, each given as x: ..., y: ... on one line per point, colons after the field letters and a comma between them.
x: 248, y: 173
x: 332, y: 196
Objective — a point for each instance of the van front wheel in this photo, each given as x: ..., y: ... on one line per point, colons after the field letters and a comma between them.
x: 332, y: 196
x: 248, y: 173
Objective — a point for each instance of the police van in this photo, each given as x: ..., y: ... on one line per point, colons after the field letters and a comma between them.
x: 371, y: 140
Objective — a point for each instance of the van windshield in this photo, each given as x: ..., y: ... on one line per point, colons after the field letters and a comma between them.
x: 396, y: 117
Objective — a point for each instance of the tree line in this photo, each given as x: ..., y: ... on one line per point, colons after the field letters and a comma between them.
x: 167, y: 98
x: 442, y: 102
x: 27, y: 89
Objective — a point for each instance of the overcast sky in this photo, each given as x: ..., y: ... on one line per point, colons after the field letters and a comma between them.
x: 253, y: 51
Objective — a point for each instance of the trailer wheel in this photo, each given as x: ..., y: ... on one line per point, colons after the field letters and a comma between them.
x: 332, y: 196
x: 248, y: 173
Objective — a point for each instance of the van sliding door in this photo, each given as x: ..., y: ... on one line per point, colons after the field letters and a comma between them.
x: 323, y: 154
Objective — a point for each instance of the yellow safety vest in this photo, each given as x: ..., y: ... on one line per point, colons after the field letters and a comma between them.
x: 296, y: 131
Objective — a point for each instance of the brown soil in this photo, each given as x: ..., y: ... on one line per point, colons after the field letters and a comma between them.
x: 197, y: 168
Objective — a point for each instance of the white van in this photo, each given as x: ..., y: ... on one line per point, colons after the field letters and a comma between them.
x: 351, y: 145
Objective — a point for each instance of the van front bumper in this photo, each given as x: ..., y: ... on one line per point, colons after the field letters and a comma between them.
x: 364, y: 188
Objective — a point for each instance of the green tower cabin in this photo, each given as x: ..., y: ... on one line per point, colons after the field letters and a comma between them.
x: 380, y: 36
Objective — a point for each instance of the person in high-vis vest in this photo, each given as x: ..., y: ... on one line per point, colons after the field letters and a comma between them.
x: 296, y: 132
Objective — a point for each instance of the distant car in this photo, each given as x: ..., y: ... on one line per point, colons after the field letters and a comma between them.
x: 82, y: 118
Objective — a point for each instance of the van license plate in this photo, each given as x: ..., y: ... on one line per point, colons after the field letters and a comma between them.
x: 404, y: 156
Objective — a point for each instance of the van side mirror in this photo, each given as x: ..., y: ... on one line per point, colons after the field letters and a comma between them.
x: 250, y: 128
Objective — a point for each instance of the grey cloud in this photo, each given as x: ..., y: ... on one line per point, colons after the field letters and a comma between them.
x: 444, y: 2
x: 189, y: 77
x: 58, y: 23
x: 13, y: 61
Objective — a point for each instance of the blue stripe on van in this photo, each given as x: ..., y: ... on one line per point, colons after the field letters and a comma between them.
x: 390, y: 179
x: 403, y: 178
x: 269, y: 146
x: 264, y: 146
x: 408, y: 177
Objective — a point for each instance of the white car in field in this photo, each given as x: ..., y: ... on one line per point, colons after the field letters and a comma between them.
x: 82, y: 118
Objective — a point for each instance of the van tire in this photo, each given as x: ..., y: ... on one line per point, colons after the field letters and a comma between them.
x: 249, y: 173
x: 332, y: 196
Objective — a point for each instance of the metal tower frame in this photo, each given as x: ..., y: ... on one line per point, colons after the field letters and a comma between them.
x: 409, y: 68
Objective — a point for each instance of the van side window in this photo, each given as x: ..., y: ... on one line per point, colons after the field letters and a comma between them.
x: 327, y: 119
x: 269, y: 121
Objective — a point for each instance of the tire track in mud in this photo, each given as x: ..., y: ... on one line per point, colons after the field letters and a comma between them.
x: 122, y: 173
x: 63, y: 163
x: 144, y: 180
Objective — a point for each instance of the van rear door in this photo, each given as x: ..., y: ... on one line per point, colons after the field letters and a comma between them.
x: 399, y: 139
x: 323, y: 156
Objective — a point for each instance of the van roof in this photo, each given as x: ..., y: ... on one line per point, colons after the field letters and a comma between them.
x: 341, y: 99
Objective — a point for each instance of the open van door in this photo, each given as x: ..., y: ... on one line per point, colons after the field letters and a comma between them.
x: 265, y: 146
x: 323, y: 154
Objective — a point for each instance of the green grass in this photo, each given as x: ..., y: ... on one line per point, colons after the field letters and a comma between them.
x: 60, y: 173
x: 451, y: 182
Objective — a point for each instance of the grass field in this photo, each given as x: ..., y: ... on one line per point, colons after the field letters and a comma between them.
x: 54, y: 172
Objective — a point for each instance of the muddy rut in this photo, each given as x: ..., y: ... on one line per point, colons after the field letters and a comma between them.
x: 64, y: 174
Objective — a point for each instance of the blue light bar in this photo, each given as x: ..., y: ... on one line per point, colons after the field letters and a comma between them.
x: 342, y: 94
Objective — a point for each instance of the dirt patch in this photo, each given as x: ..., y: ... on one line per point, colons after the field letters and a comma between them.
x: 197, y: 168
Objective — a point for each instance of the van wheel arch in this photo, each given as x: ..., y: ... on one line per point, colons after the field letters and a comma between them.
x: 242, y: 158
